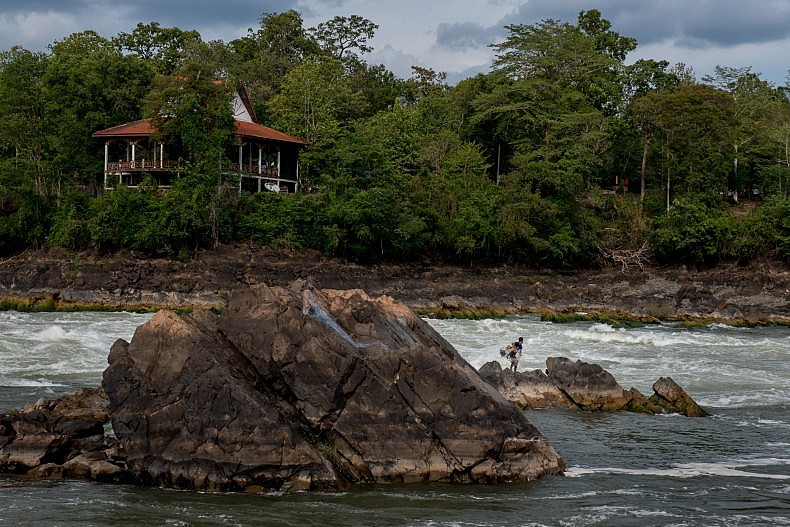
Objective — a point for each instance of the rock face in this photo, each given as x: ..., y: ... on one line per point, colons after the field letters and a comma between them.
x: 292, y: 389
x: 584, y: 386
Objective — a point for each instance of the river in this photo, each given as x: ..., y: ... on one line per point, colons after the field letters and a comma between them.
x: 730, y: 469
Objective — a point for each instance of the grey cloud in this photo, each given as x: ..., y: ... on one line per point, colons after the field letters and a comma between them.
x: 465, y: 35
x: 188, y: 14
x: 701, y: 23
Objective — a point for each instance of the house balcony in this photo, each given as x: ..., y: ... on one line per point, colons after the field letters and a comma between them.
x: 253, y: 177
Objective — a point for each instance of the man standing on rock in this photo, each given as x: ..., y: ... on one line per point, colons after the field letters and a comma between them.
x: 514, y: 353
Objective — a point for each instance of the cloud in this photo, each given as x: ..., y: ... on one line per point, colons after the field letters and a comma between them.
x: 464, y: 35
x: 702, y: 22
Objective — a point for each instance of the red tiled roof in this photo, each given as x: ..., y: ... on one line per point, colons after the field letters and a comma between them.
x: 142, y: 128
x: 258, y: 131
x: 145, y: 128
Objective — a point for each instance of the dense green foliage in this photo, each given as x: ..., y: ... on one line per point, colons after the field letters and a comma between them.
x: 562, y: 154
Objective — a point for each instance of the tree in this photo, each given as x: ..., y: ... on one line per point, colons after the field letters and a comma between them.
x: 608, y: 86
x: 753, y: 107
x: 315, y: 98
x: 551, y: 98
x: 161, y: 46
x: 192, y: 109
x: 266, y: 55
x: 83, y: 95
x: 22, y: 116
x: 693, y: 125
x: 344, y: 37
x: 424, y: 82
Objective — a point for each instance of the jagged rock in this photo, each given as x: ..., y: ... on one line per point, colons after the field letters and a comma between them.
x: 528, y: 390
x: 295, y: 390
x: 641, y: 404
x: 670, y: 396
x: 51, y: 432
x: 579, y: 385
x: 589, y: 386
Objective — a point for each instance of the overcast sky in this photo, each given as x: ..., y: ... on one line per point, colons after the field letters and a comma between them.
x: 446, y: 35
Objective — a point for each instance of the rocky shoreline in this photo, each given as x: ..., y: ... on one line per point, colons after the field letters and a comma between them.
x: 57, y: 279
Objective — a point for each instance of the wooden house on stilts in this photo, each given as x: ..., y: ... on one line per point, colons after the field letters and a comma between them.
x: 263, y: 158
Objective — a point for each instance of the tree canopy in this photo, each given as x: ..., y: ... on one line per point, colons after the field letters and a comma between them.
x: 563, y: 154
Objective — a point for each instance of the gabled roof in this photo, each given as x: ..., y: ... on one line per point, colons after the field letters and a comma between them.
x: 145, y: 128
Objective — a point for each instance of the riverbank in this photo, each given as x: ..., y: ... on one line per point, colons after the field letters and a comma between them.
x: 57, y: 279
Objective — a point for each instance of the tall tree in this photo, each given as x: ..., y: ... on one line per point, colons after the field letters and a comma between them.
x: 192, y: 108
x: 22, y: 115
x: 693, y: 125
x: 753, y: 106
x: 315, y: 98
x: 556, y: 74
x: 345, y: 37
x: 89, y: 85
x: 267, y: 54
x: 162, y: 46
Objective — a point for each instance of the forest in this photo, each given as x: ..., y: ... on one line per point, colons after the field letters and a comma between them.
x: 562, y: 155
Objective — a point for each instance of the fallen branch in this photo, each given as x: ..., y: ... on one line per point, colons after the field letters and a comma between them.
x: 629, y: 257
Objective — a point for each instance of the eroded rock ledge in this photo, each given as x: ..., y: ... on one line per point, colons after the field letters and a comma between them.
x: 584, y: 386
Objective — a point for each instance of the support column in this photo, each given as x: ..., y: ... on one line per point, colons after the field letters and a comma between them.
x: 260, y: 160
x: 106, y: 160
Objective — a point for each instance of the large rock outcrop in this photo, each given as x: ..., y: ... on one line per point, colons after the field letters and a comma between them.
x: 292, y: 389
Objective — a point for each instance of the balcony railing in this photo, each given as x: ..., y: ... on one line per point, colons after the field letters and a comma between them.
x: 168, y: 165
x: 143, y: 165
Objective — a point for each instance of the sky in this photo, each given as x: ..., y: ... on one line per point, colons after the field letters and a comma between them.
x: 451, y: 36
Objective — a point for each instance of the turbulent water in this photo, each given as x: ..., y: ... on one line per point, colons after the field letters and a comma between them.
x: 731, y: 469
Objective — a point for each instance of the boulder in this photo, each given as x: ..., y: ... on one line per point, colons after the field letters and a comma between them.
x: 292, y: 389
x: 589, y: 386
x: 670, y: 396
x: 527, y: 390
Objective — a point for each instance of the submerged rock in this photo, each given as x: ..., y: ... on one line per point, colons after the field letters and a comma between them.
x: 670, y: 396
x: 293, y: 390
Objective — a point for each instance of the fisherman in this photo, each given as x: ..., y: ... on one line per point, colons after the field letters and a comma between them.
x: 514, y: 353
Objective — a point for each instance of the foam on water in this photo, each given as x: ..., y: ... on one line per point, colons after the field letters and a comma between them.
x: 18, y: 383
x: 56, y: 349
x: 732, y: 469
